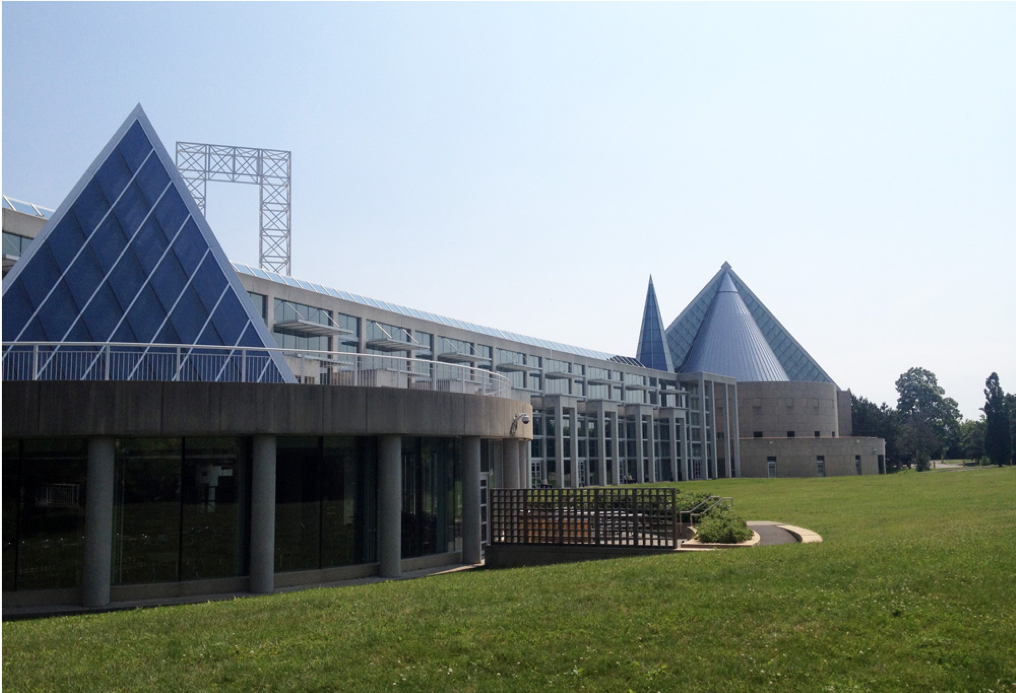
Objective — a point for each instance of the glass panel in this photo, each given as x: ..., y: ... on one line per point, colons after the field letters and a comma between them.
x: 348, y: 514
x: 146, y: 510
x: 215, y: 509
x: 431, y: 512
x: 50, y: 534
x: 297, y: 506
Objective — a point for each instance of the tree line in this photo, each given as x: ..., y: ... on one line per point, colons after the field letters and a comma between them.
x: 925, y: 424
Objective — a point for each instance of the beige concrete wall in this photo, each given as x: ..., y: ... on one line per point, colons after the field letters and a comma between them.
x: 774, y: 408
x: 797, y: 457
x: 846, y: 415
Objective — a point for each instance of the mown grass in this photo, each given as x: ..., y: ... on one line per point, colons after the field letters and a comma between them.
x: 913, y: 589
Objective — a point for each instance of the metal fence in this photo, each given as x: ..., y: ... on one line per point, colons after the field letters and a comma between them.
x: 199, y: 363
x: 625, y: 516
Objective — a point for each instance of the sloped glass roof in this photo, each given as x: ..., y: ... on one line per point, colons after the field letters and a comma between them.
x: 652, y: 349
x: 128, y: 258
x: 433, y: 317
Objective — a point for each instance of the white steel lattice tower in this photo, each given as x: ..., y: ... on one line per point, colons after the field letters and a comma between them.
x: 269, y: 169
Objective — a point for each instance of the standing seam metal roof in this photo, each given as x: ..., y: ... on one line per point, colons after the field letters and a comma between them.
x: 431, y: 317
x: 730, y: 343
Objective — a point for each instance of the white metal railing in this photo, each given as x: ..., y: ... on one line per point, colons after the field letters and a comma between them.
x: 200, y: 363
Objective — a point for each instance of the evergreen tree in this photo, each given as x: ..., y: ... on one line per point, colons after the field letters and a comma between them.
x: 997, y: 436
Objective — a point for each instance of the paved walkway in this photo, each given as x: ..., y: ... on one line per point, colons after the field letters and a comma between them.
x: 771, y: 534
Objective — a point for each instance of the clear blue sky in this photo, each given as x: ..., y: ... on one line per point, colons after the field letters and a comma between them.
x: 528, y: 166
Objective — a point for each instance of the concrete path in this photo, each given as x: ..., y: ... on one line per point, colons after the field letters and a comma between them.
x: 772, y: 534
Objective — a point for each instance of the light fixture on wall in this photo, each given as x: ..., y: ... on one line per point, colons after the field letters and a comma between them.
x: 515, y: 423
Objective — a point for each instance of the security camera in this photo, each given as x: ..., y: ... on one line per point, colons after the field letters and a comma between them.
x: 525, y: 418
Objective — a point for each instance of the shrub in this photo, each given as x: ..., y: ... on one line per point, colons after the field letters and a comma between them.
x: 721, y: 526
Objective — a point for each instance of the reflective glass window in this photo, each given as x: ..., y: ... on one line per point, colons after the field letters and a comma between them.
x: 46, y: 506
x: 215, y: 504
x: 146, y: 510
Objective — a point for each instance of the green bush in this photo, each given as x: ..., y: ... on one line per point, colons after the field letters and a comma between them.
x: 721, y: 526
x: 689, y: 499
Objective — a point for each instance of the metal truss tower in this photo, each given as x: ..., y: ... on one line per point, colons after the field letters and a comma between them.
x: 269, y: 169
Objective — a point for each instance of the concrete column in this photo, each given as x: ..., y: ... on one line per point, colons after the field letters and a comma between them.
x: 510, y: 462
x: 736, y: 425
x: 615, y: 448
x: 262, y: 517
x: 98, y: 522
x: 601, y: 447
x: 640, y: 458
x: 525, y: 464
x: 672, y: 431
x: 390, y: 506
x: 727, y: 433
x: 573, y: 436
x: 472, y: 539
x: 651, y: 459
x: 685, y: 462
x: 559, y: 442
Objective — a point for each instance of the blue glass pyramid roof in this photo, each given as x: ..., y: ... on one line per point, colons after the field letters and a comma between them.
x: 653, y: 351
x: 128, y: 258
x: 683, y: 331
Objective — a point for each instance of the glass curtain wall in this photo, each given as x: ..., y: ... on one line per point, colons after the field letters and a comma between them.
x: 431, y: 496
x: 180, y: 509
x: 43, y: 513
x: 325, y: 512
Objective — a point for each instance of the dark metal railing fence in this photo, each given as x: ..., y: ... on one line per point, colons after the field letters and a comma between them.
x: 616, y: 516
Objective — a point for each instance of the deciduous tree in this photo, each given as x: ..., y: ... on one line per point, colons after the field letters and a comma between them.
x: 929, y: 421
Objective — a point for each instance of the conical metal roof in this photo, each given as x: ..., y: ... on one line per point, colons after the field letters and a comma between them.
x: 684, y: 330
x: 653, y: 351
x: 729, y: 342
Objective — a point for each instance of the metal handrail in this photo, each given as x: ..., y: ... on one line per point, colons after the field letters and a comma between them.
x: 710, y: 503
x: 200, y: 362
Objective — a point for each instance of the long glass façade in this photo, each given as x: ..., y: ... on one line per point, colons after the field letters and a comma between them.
x: 181, y: 506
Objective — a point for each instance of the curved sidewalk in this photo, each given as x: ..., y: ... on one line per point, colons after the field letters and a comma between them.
x: 773, y: 533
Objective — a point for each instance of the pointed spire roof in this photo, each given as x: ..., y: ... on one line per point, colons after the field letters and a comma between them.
x: 684, y: 331
x: 128, y: 258
x: 653, y: 351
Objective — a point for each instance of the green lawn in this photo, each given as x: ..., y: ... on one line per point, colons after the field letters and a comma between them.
x: 913, y: 589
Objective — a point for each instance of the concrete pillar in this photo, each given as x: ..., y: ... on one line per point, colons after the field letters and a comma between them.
x: 685, y: 462
x: 510, y: 463
x: 727, y: 432
x: 262, y: 517
x: 525, y: 464
x: 736, y: 426
x: 98, y: 522
x: 573, y: 417
x: 615, y: 448
x: 651, y: 459
x: 472, y: 539
x: 640, y: 458
x: 559, y: 442
x: 390, y: 506
x: 672, y: 432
